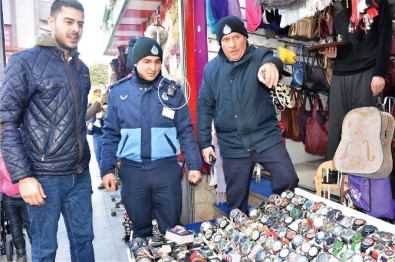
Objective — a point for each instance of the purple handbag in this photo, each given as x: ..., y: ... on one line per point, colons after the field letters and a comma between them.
x: 373, y: 196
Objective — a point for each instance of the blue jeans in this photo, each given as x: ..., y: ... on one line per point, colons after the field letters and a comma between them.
x: 97, y: 147
x: 71, y: 196
x: 16, y: 212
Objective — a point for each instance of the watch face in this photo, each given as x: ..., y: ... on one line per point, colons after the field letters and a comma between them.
x: 330, y: 241
x: 318, y: 222
x: 308, y: 204
x: 359, y: 222
x: 284, y: 253
x: 368, y: 229
x: 273, y: 198
x: 305, y: 247
x: 357, y: 258
x: 297, y: 240
x: 288, y: 220
x: 310, y: 233
x: 264, y: 219
x: 378, y: 248
x: 386, y: 237
x: 323, y: 257
x: 313, y: 251
x: 269, y: 243
x: 217, y: 237
x: 367, y: 241
x: 255, y: 235
x: 389, y: 253
x: 254, y: 213
x: 347, y: 234
x: 260, y: 256
x: 277, y: 245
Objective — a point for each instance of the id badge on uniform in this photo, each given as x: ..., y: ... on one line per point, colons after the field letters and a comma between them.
x: 168, y: 113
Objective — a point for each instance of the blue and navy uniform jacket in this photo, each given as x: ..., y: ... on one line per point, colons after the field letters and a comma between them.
x: 136, y: 129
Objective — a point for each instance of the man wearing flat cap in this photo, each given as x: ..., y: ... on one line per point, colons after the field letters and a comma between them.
x: 146, y: 125
x: 235, y: 95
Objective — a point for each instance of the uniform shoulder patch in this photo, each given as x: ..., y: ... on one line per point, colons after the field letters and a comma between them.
x: 120, y: 81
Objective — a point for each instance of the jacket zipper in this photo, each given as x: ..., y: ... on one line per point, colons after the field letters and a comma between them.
x: 77, y: 121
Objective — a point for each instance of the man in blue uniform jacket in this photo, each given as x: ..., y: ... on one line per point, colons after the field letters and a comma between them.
x: 235, y: 95
x: 147, y: 122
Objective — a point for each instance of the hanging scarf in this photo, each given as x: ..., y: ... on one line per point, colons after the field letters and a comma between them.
x: 362, y: 14
x: 234, y: 8
x: 212, y: 24
x: 219, y: 9
x: 253, y: 15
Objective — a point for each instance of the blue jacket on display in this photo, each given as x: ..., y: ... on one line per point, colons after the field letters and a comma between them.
x: 146, y: 125
x: 242, y: 109
x: 43, y: 105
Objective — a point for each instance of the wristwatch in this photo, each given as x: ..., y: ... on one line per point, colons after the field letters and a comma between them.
x: 254, y: 213
x: 305, y: 247
x: 222, y: 222
x: 368, y: 230
x: 273, y: 198
x: 283, y: 254
x: 255, y: 235
x: 347, y: 255
x: 261, y: 255
x: 323, y: 257
x: 386, y: 238
x: 358, y: 224
x: 302, y: 258
x: 366, y: 244
x: 333, y: 214
x: 328, y: 244
x: 303, y: 227
x: 308, y: 205
x: 336, y: 230
x: 377, y: 251
x: 320, y: 237
x: 346, y: 236
x: 356, y: 242
x: 297, y: 241
x: 310, y: 234
x: 389, y: 255
x: 337, y: 248
x: 313, y: 252
x: 277, y: 246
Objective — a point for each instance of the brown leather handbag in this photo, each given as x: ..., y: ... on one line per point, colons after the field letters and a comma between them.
x: 290, y: 116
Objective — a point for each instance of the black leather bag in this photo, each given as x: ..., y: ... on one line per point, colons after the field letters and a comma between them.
x: 315, y: 77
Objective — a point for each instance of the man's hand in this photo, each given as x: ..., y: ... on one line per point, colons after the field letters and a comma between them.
x: 207, y: 152
x: 268, y: 74
x: 377, y: 85
x: 31, y: 191
x: 194, y: 176
x: 330, y: 52
x: 110, y: 182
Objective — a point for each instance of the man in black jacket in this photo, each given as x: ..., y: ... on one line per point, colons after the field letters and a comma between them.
x: 359, y: 69
x: 43, y: 107
x: 235, y: 95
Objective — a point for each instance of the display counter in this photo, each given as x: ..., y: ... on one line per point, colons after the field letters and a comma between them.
x: 293, y: 226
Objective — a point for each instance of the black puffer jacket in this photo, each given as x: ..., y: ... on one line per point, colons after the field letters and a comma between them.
x: 42, y: 111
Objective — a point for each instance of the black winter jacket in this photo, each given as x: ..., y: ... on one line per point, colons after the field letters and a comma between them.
x: 242, y: 109
x: 43, y: 103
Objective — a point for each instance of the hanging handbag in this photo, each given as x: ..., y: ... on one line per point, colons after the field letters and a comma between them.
x: 298, y: 67
x: 326, y: 22
x: 315, y: 76
x: 305, y: 114
x: 307, y: 27
x: 317, y: 129
x: 290, y: 117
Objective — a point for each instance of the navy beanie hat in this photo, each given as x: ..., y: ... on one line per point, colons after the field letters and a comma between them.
x: 146, y: 46
x: 230, y: 24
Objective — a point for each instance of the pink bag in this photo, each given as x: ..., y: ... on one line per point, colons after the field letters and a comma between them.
x: 6, y: 186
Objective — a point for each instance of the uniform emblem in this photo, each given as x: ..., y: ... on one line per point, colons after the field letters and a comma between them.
x: 154, y: 50
x: 164, y: 96
x: 227, y: 30
x: 123, y: 97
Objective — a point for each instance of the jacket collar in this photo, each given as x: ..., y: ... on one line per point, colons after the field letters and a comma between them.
x: 47, y: 40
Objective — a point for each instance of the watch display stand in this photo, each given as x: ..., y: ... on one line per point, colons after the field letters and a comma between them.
x: 326, y: 187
